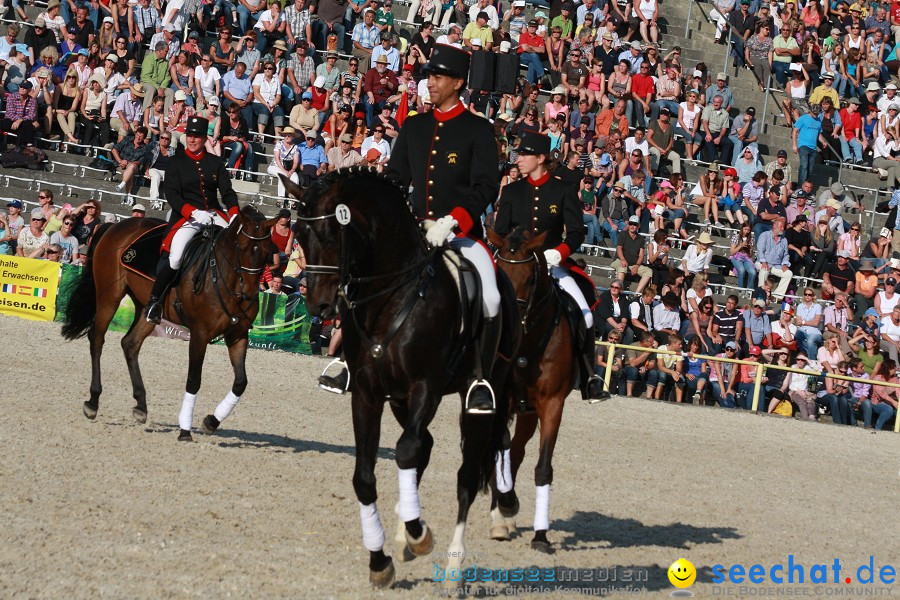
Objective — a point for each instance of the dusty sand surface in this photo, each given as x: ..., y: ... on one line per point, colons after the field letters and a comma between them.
x: 266, y: 509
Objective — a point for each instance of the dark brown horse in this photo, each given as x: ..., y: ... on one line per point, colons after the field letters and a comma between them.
x: 401, y: 314
x: 545, y: 373
x: 218, y: 296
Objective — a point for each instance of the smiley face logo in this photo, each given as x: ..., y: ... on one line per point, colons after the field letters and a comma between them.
x: 682, y: 573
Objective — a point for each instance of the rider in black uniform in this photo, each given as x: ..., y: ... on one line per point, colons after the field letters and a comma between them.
x: 449, y: 156
x: 192, y: 181
x: 540, y: 202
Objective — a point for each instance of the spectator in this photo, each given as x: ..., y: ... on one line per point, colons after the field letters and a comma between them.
x: 236, y: 140
x: 744, y: 133
x: 286, y: 160
x: 661, y: 137
x: 807, y: 132
x: 377, y: 141
x: 313, y: 162
x: 33, y: 241
x: 757, y: 327
x: 889, y: 328
x: 698, y: 257
x: 883, y: 400
x: 672, y: 367
x: 727, y: 324
x: 132, y: 155
x: 614, y: 312
x: 784, y: 332
x: 723, y: 375
x: 155, y: 75
x: 799, y: 240
x: 772, y: 257
x: 237, y: 89
x: 267, y: 99
x: 715, y: 122
x: 746, y: 380
x: 667, y: 316
x: 138, y: 211
x: 159, y: 157
x: 696, y: 371
x: 641, y: 367
x: 127, y: 112
x: 839, y: 277
x: 641, y: 311
x: 630, y: 255
x: 66, y: 242
x: 87, y: 217
x: 865, y: 288
x: 21, y: 116
x: 343, y: 154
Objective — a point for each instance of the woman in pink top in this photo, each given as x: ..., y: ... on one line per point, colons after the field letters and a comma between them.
x: 556, y: 105
x: 883, y: 401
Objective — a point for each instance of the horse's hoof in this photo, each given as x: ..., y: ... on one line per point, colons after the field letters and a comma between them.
x: 500, y: 533
x: 139, y: 415
x: 184, y: 436
x: 210, y: 424
x: 424, y: 545
x: 406, y: 554
x: 508, y: 510
x: 383, y: 578
x: 542, y: 546
x: 90, y: 413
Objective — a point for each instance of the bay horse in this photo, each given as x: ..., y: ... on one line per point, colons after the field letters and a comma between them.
x: 545, y: 373
x: 401, y: 315
x: 217, y: 296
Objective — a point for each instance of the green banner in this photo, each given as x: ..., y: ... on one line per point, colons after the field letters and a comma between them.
x: 282, y: 322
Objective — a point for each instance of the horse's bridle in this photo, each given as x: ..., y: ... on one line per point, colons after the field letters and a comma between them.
x: 529, y: 305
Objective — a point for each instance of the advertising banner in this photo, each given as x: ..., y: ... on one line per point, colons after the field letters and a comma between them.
x: 282, y: 322
x: 28, y: 287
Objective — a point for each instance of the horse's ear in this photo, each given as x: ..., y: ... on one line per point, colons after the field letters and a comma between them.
x: 291, y: 188
x: 535, y: 242
x: 496, y: 240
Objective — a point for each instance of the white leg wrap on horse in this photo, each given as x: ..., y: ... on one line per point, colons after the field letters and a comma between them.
x: 226, y: 406
x: 373, y: 532
x: 186, y: 416
x: 408, y: 505
x: 503, y: 472
x: 567, y: 283
x: 542, y: 507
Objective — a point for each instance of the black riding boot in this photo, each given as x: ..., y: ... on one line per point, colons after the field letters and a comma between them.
x: 164, y: 275
x: 591, y: 384
x: 480, y: 399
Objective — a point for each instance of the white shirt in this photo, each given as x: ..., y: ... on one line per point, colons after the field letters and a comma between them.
x: 888, y: 305
x: 174, y: 14
x: 383, y: 146
x: 445, y: 40
x: 630, y: 145
x: 266, y: 17
x: 889, y: 329
x: 493, y: 20
x: 207, y: 80
x: 113, y: 83
x: 267, y: 89
x: 696, y: 263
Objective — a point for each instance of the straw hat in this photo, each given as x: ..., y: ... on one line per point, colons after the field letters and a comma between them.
x: 704, y: 238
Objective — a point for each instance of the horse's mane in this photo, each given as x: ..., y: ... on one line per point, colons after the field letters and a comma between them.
x: 357, y: 175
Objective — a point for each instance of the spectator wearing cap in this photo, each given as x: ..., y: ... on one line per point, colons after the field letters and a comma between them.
x: 565, y: 20
x: 168, y: 37
x: 37, y: 38
x: 343, y: 154
x: 386, y: 49
x: 605, y: 54
x: 53, y: 20
x: 806, y: 134
x: 14, y: 224
x: 138, y: 211
x: 155, y: 74
x: 531, y: 50
x: 824, y: 90
x: 769, y: 209
x: 313, y: 162
x: 632, y: 55
x: 630, y: 254
x: 32, y: 240
x: 20, y: 117
x: 479, y: 29
x: 517, y: 20
x: 304, y: 117
x: 889, y: 97
x: 878, y: 248
x: 839, y: 277
x: 842, y: 196
x: 780, y: 162
x: 757, y: 325
x: 744, y: 133
x: 772, y: 257
x: 365, y: 37
x: 330, y: 72
x: 830, y: 212
x: 286, y: 159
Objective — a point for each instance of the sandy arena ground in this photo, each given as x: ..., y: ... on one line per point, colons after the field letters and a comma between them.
x: 266, y: 508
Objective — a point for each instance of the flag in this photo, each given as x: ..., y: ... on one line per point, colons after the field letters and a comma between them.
x: 403, y: 109
x: 9, y: 288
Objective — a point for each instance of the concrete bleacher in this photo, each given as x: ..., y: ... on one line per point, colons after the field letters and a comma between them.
x: 72, y: 180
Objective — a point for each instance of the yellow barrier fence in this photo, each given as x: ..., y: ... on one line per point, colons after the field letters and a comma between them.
x: 760, y: 373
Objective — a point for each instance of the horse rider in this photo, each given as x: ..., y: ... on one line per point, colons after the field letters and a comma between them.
x: 192, y: 181
x: 449, y: 156
x: 540, y: 202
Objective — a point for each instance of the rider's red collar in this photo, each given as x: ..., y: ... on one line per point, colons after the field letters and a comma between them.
x: 193, y: 156
x: 446, y: 115
x: 540, y: 180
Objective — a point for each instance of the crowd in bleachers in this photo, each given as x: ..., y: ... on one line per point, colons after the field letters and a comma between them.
x: 331, y: 82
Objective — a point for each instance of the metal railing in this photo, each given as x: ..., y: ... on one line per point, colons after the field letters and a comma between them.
x: 760, y: 371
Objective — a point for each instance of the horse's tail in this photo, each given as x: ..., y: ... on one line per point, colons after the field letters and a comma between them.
x: 82, y: 306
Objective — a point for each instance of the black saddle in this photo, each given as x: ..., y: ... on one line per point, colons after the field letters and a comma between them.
x: 142, y: 255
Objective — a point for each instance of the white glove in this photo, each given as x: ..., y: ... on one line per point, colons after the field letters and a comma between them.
x: 233, y: 217
x: 553, y: 257
x: 438, y: 233
x: 202, y: 217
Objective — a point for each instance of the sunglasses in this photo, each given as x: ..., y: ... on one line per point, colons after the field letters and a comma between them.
x: 42, y: 196
x: 52, y: 251
x: 729, y: 350
x: 69, y: 223
x: 269, y: 69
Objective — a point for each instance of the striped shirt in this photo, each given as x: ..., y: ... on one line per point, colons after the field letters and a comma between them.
x: 727, y: 323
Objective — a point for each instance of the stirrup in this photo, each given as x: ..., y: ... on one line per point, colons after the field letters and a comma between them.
x: 478, y: 410
x: 602, y: 395
x: 154, y: 312
x: 328, y: 383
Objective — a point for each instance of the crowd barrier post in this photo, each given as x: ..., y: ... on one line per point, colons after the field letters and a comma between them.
x: 757, y: 383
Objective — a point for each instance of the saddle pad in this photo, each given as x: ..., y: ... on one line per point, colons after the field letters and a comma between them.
x: 142, y: 255
x: 454, y: 262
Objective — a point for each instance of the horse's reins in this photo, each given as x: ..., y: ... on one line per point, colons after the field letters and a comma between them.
x: 530, y: 304
x: 422, y: 269
x: 209, y: 262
